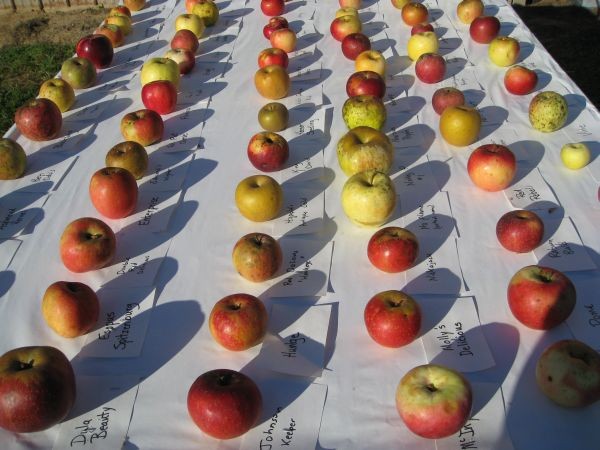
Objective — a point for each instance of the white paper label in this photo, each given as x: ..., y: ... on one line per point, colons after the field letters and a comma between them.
x: 166, y: 172
x: 89, y: 112
x: 195, y: 93
x: 584, y: 321
x: 457, y: 340
x: 183, y: 131
x: 8, y: 249
x: 432, y: 218
x: 71, y: 134
x: 531, y: 192
x: 153, y: 212
x: 403, y: 136
x: 18, y: 210
x: 303, y: 211
x: 44, y: 173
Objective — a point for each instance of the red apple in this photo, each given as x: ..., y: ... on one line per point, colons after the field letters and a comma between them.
x: 354, y: 44
x: 87, y: 244
x: 224, y: 403
x: 185, y: 59
x: 97, y: 48
x: 568, y: 373
x: 343, y: 26
x: 275, y: 23
x: 365, y: 82
x: 113, y: 192
x: 520, y: 231
x: 186, y: 40
x: 160, y: 96
x: 484, y: 29
x: 284, y: 39
x: 256, y: 257
x: 392, y: 318
x: 393, y: 249
x: 274, y: 56
x: 37, y: 388
x: 238, y: 321
x: 520, y: 80
x: 421, y: 28
x: 268, y: 151
x: 541, y: 297
x: 144, y: 127
x: 446, y: 97
x: 414, y: 13
x: 430, y: 68
x: 434, y: 401
x: 492, y: 167
x: 272, y: 7
x: 39, y: 119
x: 71, y: 309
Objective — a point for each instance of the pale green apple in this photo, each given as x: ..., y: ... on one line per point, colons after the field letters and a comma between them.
x: 364, y: 110
x: 575, y: 155
x: 369, y: 198
x: 59, y: 91
x: 548, y: 111
x: 207, y: 11
x: 364, y: 148
x: 160, y: 69
x: 190, y: 22
x: 80, y: 73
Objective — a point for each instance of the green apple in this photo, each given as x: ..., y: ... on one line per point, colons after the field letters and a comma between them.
x: 273, y: 117
x: 364, y: 148
x: 80, y: 73
x: 575, y: 155
x: 548, y: 111
x: 207, y: 11
x: 369, y: 198
x: 129, y: 155
x: 59, y: 91
x: 13, y: 160
x: 160, y: 69
x: 364, y: 110
x: 190, y: 22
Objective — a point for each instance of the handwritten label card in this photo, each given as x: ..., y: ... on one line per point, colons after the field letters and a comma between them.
x: 100, y: 417
x: 304, y: 208
x: 303, y: 94
x: 584, y: 321
x: 8, y: 248
x: 486, y: 429
x: 116, y: 84
x: 306, y: 73
x: 182, y: 130
x: 153, y: 212
x: 71, y: 135
x: 130, y: 58
x: 433, y: 217
x: 291, y: 422
x: 90, y: 112
x: 195, y: 93
x: 44, y: 172
x: 457, y: 340
x: 396, y: 87
x: 306, y: 264
x: 564, y: 250
x: 531, y: 192
x: 17, y: 210
x: 299, y: 348
x: 406, y: 135
x: 122, y: 324
x: 415, y: 185
x: 166, y: 172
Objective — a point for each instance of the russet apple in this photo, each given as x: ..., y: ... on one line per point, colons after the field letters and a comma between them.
x: 369, y: 198
x: 144, y: 127
x: 344, y: 25
x: 372, y: 60
x: 274, y: 116
x: 504, y: 51
x: 460, y: 125
x: 259, y: 198
x: 468, y: 10
x: 238, y: 322
x: 420, y: 43
x: 413, y: 13
x: 520, y: 231
x: 208, y: 11
x: 257, y: 257
x: 445, y: 97
x: 393, y: 249
x: 268, y: 151
x: 71, y: 309
x: 13, y: 160
x: 160, y: 69
x: 364, y: 148
x: 492, y: 167
x: 548, y: 111
x: 113, y: 192
x: 392, y: 318
x: 87, y: 244
x: 364, y: 110
x: 39, y: 119
x: 272, y: 82
x: 575, y: 155
x: 80, y: 73
x: 520, y: 80
x: 128, y: 155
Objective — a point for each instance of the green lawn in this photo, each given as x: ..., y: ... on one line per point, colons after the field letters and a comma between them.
x: 24, y: 68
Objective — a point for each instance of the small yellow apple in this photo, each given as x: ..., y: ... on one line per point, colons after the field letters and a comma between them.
x: 460, y: 125
x: 575, y: 155
x: 369, y: 198
x: 420, y: 43
x: 190, y: 22
x: 504, y: 51
x: 348, y: 11
x: 371, y: 60
x: 469, y: 10
x: 259, y: 198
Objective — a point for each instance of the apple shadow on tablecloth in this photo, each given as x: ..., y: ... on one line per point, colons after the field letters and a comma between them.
x: 528, y: 155
x: 450, y: 45
x: 492, y: 118
x: 457, y: 66
x: 365, y: 16
x: 423, y: 229
x: 294, y: 6
x: 143, y: 15
x: 526, y: 49
x: 371, y: 29
x: 577, y: 104
x: 506, y: 28
x: 544, y: 79
x: 473, y: 97
x: 7, y: 279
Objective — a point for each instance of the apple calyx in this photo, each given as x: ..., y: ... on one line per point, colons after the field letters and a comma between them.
x: 92, y: 236
x: 224, y: 379
x: 20, y: 365
x: 234, y: 306
x: 431, y: 388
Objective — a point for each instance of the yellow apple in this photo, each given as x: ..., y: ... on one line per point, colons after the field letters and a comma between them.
x: 364, y: 148
x: 122, y: 21
x: 469, y: 10
x: 460, y: 125
x: 420, y: 43
x: 399, y: 4
x: 369, y: 198
x: 160, y: 69
x: 504, y: 51
x: 348, y: 11
x: 190, y: 22
x: 207, y: 11
x: 272, y: 82
x: 371, y: 60
x: 575, y: 155
x: 59, y: 91
x: 259, y: 198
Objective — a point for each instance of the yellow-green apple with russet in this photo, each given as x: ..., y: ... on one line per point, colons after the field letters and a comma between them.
x: 160, y: 69
x: 460, y: 125
x: 38, y: 119
x: 189, y: 5
x: 541, y: 297
x: 80, y: 73
x: 128, y: 155
x: 272, y: 82
x: 369, y: 198
x: 112, y: 32
x: 59, y: 91
x: 87, y: 244
x: 238, y: 321
x: 393, y: 249
x: 520, y: 231
x: 70, y: 308
x: 257, y: 257
x: 364, y: 148
x: 135, y: 5
x: 347, y: 11
x: 575, y: 155
x: 190, y: 22
x: 284, y: 39
x: 207, y: 11
x: 259, y: 198
x: 144, y: 127
x: 434, y: 401
x: 113, y: 192
x: 120, y: 20
x: 37, y: 388
x: 13, y: 160
x: 445, y: 97
x: 492, y: 167
x: 568, y: 373
x: 392, y: 318
x: 268, y: 151
x: 184, y: 59
x: 224, y: 403
x: 344, y: 25
x: 468, y: 10
x: 372, y: 60
x: 274, y: 116
x: 548, y: 111
x: 420, y: 43
x: 364, y: 110
x: 504, y: 51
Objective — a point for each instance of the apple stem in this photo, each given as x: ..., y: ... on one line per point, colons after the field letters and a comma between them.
x: 20, y: 365
x: 234, y: 307
x: 93, y: 236
x: 73, y: 287
x: 431, y: 388
x: 224, y: 380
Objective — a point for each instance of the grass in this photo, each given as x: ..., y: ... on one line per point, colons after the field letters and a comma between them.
x: 24, y: 68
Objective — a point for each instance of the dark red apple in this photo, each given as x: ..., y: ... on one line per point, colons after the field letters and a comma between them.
x: 268, y: 151
x: 520, y: 231
x: 430, y: 68
x: 39, y: 119
x: 97, y: 48
x: 186, y: 40
x: 275, y: 23
x: 354, y: 44
x: 160, y: 96
x: 392, y: 318
x: 393, y: 249
x: 421, y: 27
x: 365, y: 82
x: 484, y: 29
x: 520, y: 80
x: 446, y: 97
